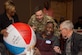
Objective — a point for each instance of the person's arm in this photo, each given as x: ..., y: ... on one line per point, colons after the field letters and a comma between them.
x: 36, y: 51
x: 56, y: 45
x: 57, y: 49
x: 2, y: 31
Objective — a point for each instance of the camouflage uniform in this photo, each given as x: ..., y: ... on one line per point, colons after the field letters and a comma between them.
x: 40, y: 25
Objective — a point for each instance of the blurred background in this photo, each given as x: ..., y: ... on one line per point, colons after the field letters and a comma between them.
x: 68, y: 9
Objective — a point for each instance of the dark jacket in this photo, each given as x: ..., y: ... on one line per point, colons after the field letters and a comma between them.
x: 76, y: 44
x: 5, y: 22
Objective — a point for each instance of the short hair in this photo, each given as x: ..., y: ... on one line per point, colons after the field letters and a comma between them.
x: 50, y: 22
x: 38, y: 8
x: 9, y: 5
x: 67, y: 24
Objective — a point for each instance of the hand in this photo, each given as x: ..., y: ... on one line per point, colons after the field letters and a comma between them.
x: 4, y: 32
x: 36, y: 51
x: 34, y: 28
x: 57, y: 49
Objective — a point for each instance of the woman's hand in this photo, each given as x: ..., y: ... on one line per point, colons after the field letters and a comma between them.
x: 4, y: 32
x: 57, y: 49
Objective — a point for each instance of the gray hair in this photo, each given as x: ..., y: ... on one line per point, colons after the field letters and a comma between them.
x: 67, y: 24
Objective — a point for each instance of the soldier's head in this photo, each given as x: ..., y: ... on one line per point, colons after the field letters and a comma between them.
x: 49, y: 28
x: 9, y: 7
x: 39, y: 13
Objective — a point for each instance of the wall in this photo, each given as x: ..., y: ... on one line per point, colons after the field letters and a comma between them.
x: 24, y: 8
x: 62, y: 8
x: 77, y: 10
x: 1, y: 6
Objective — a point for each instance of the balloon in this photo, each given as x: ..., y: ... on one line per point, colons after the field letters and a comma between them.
x: 20, y: 38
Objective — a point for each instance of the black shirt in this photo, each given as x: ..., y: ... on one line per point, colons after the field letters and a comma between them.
x: 5, y: 22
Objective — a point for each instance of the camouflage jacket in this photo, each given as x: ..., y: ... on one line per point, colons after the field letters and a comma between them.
x: 40, y: 25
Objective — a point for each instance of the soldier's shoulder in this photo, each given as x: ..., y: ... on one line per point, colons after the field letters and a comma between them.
x: 33, y: 16
x: 32, y: 19
x: 49, y: 17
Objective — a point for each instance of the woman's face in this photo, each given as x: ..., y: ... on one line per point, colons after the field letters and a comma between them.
x: 11, y: 11
x: 49, y: 29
